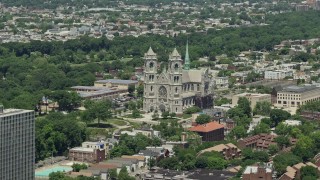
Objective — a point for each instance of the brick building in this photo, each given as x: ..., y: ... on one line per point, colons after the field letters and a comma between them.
x: 89, y: 155
x: 261, y: 141
x: 258, y: 172
x: 293, y: 172
x: 212, y: 131
x: 228, y: 151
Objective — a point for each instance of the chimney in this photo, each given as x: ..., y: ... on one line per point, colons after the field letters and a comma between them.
x: 1, y: 108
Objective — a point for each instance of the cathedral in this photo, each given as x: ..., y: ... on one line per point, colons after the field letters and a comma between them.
x: 177, y: 87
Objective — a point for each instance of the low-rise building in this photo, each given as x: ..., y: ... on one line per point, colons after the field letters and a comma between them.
x: 261, y: 141
x: 89, y: 155
x: 261, y: 171
x: 295, y: 96
x: 293, y: 172
x: 277, y: 74
x: 290, y: 122
x: 118, y: 83
x: 228, y: 151
x: 221, y: 82
x: 253, y: 98
x: 97, y: 145
x: 212, y: 131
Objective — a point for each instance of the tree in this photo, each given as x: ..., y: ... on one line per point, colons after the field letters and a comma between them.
x: 155, y: 115
x: 278, y: 115
x: 201, y: 162
x: 173, y: 115
x: 282, y: 160
x: 77, y: 167
x: 261, y: 128
x: 238, y: 132
x: 310, y: 172
x: 304, y: 148
x: 136, y: 114
x: 216, y: 163
x: 67, y: 101
x: 100, y: 110
x: 56, y: 176
x: 124, y: 175
x: 140, y: 90
x: 203, y: 119
x: 273, y: 149
x: 113, y: 174
x: 192, y: 110
x: 282, y: 141
x: 244, y: 105
x: 131, y: 89
x: 262, y: 108
x: 165, y: 114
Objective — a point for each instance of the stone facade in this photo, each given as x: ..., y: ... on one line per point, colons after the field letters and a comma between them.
x: 177, y: 87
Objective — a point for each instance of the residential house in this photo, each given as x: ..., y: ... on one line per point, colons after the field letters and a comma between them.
x: 211, y: 131
x: 293, y: 172
x: 228, y: 151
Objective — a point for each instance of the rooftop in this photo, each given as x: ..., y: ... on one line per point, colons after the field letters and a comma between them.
x: 82, y: 149
x: 299, y: 89
x: 10, y: 112
x: 117, y: 81
x: 211, y: 126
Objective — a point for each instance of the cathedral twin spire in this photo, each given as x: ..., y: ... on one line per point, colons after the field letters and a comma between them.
x: 175, y: 54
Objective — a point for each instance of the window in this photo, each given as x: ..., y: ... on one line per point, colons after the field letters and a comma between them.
x: 151, y: 88
x: 176, y: 67
x: 176, y: 90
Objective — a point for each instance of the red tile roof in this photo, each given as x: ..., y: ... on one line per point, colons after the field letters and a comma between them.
x: 211, y: 126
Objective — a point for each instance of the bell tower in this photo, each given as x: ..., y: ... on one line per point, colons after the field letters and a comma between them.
x: 150, y: 72
x: 175, y: 73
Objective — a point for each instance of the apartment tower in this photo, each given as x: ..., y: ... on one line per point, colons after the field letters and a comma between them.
x: 17, y: 144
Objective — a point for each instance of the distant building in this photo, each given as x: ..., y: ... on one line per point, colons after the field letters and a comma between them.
x: 101, y: 145
x: 222, y: 82
x: 116, y: 83
x: 105, y: 89
x: 277, y: 74
x: 295, y: 96
x: 84, y: 154
x: 253, y: 98
x: 293, y: 172
x: 261, y: 141
x: 177, y: 87
x: 98, y: 93
x: 292, y: 122
x: 211, y: 131
x: 228, y: 151
x: 261, y: 171
x: 17, y: 144
x: 302, y: 7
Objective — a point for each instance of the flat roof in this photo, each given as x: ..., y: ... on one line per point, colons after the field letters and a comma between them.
x: 10, y: 112
x: 299, y: 89
x: 252, y: 95
x: 83, y: 149
x: 117, y: 81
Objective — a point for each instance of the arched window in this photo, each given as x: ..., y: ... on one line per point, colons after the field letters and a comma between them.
x: 176, y: 67
x: 151, y: 88
x: 176, y: 90
x: 151, y: 65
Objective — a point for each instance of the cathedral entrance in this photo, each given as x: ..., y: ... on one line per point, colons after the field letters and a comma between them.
x: 162, y: 108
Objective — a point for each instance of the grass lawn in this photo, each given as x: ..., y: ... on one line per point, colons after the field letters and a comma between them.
x: 186, y: 116
x: 116, y: 122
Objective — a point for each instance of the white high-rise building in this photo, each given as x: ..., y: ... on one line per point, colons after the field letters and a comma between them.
x: 17, y: 144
